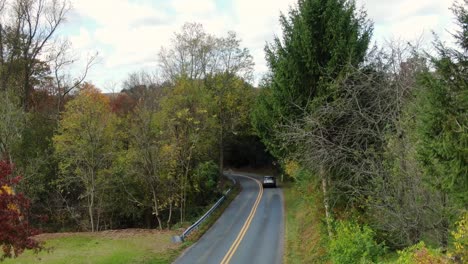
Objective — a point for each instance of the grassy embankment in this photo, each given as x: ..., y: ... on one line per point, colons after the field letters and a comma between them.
x: 304, y: 231
x: 123, y: 246
x: 306, y: 239
x: 116, y: 246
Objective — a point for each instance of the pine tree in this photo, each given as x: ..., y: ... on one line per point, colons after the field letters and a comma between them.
x: 320, y: 37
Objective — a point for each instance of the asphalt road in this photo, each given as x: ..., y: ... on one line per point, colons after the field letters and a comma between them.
x: 251, y: 229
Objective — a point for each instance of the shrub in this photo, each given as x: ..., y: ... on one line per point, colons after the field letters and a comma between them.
x: 354, y: 244
x: 15, y: 231
x: 460, y: 240
x: 205, y: 179
x: 420, y: 254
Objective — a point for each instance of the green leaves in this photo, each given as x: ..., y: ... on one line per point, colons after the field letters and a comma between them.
x: 442, y: 130
x: 354, y: 244
x: 320, y: 38
x: 12, y: 123
x: 85, y: 145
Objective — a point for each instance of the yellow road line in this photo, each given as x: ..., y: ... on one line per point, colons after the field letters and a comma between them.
x: 246, y: 226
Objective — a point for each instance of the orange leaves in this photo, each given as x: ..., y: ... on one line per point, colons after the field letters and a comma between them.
x: 90, y: 91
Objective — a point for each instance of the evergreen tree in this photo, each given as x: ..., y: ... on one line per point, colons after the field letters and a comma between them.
x: 442, y: 105
x: 319, y: 38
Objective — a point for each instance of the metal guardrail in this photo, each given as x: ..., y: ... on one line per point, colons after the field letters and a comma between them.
x: 196, y: 225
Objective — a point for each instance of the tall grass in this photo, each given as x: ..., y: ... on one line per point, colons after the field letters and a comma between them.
x: 305, y: 234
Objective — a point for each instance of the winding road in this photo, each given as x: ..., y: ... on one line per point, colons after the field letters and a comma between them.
x: 250, y: 230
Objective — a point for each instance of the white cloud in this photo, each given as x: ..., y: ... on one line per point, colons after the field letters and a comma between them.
x: 192, y: 8
x: 256, y: 23
x: 409, y: 20
x: 116, y: 13
x: 82, y: 40
x: 128, y: 33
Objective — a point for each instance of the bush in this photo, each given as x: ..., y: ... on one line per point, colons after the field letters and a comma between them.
x: 460, y: 240
x: 354, y: 244
x: 205, y: 180
x: 15, y: 231
x: 420, y: 254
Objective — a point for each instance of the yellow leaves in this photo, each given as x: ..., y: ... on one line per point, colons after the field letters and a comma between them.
x: 291, y: 167
x: 89, y: 99
x: 182, y: 113
x: 167, y: 149
x: 6, y: 189
x: 87, y: 136
x: 460, y: 237
x: 90, y: 91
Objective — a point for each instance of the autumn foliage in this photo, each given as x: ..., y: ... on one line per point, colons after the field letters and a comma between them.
x: 15, y: 231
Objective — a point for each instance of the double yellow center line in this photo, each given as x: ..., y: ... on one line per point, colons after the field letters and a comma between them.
x: 242, y: 232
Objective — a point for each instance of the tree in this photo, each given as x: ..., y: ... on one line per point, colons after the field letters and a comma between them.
x: 146, y: 158
x: 233, y: 98
x: 190, y: 54
x: 23, y: 39
x: 12, y: 123
x: 144, y: 87
x: 321, y: 41
x: 16, y: 233
x: 442, y: 107
x: 63, y: 84
x: 190, y: 129
x: 222, y: 64
x: 228, y: 82
x: 85, y: 146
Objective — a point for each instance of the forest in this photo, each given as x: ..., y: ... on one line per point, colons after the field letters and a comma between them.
x: 150, y: 156
x: 375, y: 137
x: 372, y: 138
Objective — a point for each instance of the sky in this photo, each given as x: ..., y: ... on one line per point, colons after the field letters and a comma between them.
x: 128, y: 34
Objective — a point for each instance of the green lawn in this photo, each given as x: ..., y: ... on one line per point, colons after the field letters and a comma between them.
x: 115, y: 246
x: 105, y: 247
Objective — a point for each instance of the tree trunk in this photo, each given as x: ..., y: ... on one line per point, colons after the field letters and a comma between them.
x: 91, y: 200
x: 182, y: 197
x: 221, y: 151
x: 26, y: 87
x: 98, y: 216
x: 326, y: 203
x: 184, y: 185
x: 156, y: 210
x: 90, y: 209
x: 170, y: 215
x: 445, y: 226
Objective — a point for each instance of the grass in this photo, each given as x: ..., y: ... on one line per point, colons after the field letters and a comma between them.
x: 305, y: 238
x: 101, y: 248
x: 116, y: 246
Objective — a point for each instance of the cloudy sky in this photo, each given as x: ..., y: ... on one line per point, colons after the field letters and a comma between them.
x: 129, y: 33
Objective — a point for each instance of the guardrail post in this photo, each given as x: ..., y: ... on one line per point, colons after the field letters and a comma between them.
x: 177, y: 239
